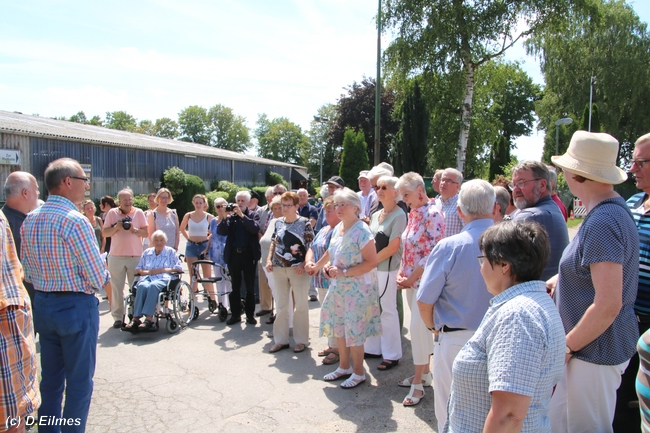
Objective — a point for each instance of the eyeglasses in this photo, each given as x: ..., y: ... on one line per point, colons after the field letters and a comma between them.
x: 286, y: 205
x: 481, y: 259
x: 85, y: 179
x: 521, y: 184
x: 383, y: 188
x: 278, y: 193
x: 445, y: 180
x: 219, y: 206
x: 640, y: 162
x: 339, y: 205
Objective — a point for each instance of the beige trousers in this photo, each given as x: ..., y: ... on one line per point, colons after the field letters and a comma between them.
x: 286, y: 281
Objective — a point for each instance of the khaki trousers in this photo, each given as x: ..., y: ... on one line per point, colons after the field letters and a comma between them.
x: 286, y: 281
x: 120, y: 268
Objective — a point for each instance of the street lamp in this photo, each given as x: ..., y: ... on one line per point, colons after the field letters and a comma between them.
x: 321, y: 120
x: 563, y: 121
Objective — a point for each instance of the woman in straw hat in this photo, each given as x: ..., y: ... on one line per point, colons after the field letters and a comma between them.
x: 595, y: 288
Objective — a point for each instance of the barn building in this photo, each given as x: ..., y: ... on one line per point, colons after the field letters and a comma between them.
x: 114, y: 159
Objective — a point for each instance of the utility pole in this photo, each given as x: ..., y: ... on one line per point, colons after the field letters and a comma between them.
x: 378, y: 86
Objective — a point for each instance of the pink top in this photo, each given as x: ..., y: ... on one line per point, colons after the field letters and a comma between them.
x: 426, y: 227
x: 126, y: 243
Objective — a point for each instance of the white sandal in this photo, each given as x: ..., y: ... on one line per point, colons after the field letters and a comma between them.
x: 414, y: 400
x: 427, y: 380
x: 353, y: 381
x: 339, y: 373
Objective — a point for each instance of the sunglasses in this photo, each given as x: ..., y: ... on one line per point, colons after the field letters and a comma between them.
x: 219, y: 206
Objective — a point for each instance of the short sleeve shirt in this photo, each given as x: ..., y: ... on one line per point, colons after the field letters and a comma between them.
x: 125, y: 243
x: 292, y: 240
x: 425, y: 228
x: 393, y: 227
x: 608, y: 234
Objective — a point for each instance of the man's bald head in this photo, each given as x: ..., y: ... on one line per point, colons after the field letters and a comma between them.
x: 21, y: 191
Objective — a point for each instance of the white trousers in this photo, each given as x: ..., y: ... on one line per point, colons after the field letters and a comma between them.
x: 444, y: 353
x: 389, y: 344
x: 421, y: 337
x: 286, y: 281
x: 584, y: 401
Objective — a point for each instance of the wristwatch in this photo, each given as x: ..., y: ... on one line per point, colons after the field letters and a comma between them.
x: 345, y: 271
x: 134, y: 230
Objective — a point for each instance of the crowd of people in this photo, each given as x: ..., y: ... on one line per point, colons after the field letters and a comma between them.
x: 516, y: 327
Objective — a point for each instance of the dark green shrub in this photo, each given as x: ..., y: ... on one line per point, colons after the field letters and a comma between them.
x: 273, y: 178
x: 261, y: 190
x: 183, y: 202
x: 212, y: 196
x: 174, y: 180
x: 140, y: 201
x: 231, y: 189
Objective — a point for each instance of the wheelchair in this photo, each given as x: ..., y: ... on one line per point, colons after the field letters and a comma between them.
x: 175, y: 304
x: 220, y: 279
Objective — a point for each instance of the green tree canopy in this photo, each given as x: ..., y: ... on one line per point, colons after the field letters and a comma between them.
x: 227, y: 130
x: 280, y: 139
x: 354, y: 157
x: 320, y: 145
x: 412, y: 144
x: 165, y: 127
x: 193, y: 124
x: 120, y: 120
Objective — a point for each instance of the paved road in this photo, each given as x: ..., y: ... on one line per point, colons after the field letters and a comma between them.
x: 215, y: 378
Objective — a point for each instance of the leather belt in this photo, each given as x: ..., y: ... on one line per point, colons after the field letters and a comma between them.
x: 445, y: 328
x: 197, y: 243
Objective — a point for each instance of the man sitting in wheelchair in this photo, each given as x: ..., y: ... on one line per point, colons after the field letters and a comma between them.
x: 156, y: 268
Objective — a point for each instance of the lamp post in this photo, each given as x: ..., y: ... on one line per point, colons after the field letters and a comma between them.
x: 591, y: 98
x: 378, y: 86
x: 563, y: 121
x: 321, y: 120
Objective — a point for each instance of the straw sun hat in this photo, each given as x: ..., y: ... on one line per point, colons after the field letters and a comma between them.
x: 592, y: 155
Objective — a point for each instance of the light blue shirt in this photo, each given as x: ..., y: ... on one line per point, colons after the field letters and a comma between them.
x: 452, y: 279
x: 166, y: 259
x: 518, y: 348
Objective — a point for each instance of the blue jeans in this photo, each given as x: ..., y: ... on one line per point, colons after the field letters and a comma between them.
x: 146, y: 296
x: 68, y: 326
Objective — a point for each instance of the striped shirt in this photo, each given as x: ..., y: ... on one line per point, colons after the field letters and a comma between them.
x: 642, y: 221
x: 60, y: 253
x: 18, y: 378
x: 453, y: 222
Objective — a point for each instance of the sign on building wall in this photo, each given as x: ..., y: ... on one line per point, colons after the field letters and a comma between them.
x: 10, y: 157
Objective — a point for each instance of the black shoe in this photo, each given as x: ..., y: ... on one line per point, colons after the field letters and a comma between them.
x: 313, y: 298
x: 233, y: 320
x: 263, y: 313
x: 251, y: 321
x: 117, y: 324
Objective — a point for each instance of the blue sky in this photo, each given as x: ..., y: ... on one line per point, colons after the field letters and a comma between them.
x: 152, y: 58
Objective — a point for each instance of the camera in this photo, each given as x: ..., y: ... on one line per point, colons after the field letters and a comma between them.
x: 230, y: 207
x: 126, y: 223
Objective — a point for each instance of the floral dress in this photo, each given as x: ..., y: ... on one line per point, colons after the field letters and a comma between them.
x: 425, y: 228
x: 351, y: 307
x: 318, y: 247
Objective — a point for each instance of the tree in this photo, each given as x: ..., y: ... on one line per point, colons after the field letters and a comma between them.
x: 608, y: 42
x: 356, y: 110
x: 96, y: 121
x: 165, y: 127
x: 280, y: 139
x: 80, y: 117
x: 193, y: 123
x: 227, y: 130
x: 414, y: 133
x: 449, y: 37
x: 354, y: 157
x: 120, y: 120
x: 320, y: 146
x: 144, y: 127
x: 595, y: 119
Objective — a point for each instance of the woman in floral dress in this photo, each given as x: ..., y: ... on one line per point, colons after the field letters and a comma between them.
x: 425, y: 228
x: 350, y: 311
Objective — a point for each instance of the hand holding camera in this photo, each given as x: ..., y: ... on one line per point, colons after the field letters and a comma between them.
x: 127, y: 223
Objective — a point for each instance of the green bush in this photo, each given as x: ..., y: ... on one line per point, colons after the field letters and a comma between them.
x: 174, y: 179
x: 231, y: 189
x: 183, y: 201
x: 140, y: 201
x: 212, y: 196
x: 261, y: 190
x: 431, y: 192
x: 273, y: 178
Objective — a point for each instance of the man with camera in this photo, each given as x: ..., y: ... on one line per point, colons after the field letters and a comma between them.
x: 241, y: 255
x: 126, y: 225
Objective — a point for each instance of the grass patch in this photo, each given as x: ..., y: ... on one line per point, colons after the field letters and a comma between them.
x: 574, y: 223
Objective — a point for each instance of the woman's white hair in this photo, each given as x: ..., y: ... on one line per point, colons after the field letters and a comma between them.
x: 392, y: 181
x: 159, y: 234
x: 476, y: 198
x: 347, y: 196
x: 410, y: 181
x: 219, y: 200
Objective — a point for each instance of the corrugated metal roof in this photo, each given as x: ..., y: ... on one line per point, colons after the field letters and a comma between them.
x: 35, y: 126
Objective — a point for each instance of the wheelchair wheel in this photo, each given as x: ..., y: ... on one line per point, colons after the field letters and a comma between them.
x: 223, y: 313
x: 172, y: 326
x: 183, y: 304
x: 129, y: 301
x: 212, y: 305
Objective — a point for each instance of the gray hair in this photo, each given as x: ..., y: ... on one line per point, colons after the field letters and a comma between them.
x: 392, y: 181
x: 159, y: 234
x: 324, y: 192
x: 277, y: 201
x: 476, y: 198
x: 644, y: 138
x: 282, y: 187
x: 126, y: 190
x: 386, y: 166
x: 268, y: 193
x: 540, y: 171
x: 16, y: 182
x: 58, y: 170
x: 246, y: 193
x: 378, y: 171
x: 453, y: 171
x: 503, y: 199
x: 219, y: 200
x: 302, y: 189
x: 552, y: 178
x: 346, y: 195
x: 410, y: 181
